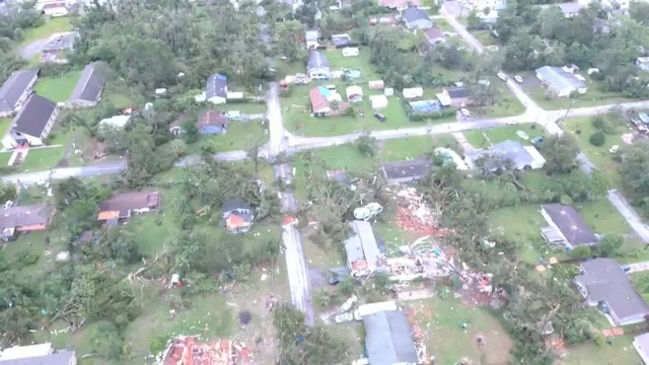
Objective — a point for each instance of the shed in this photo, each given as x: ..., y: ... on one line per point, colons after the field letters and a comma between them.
x: 376, y: 85
x: 413, y: 92
x: 379, y: 101
x: 354, y: 94
x: 350, y: 52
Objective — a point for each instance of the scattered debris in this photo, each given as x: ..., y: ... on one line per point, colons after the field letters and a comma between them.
x: 245, y: 317
x: 190, y: 350
x: 414, y: 214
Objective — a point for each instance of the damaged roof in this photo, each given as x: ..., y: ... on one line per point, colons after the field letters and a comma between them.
x: 121, y: 205
x: 406, y: 171
x: 25, y: 215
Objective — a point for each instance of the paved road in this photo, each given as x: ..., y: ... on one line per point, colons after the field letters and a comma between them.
x: 626, y: 210
x: 637, y: 267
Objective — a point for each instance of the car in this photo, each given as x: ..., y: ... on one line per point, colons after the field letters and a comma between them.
x: 334, y: 280
x: 349, y: 303
x: 465, y: 112
x: 502, y: 76
x: 343, y: 317
x: 536, y: 140
x: 380, y: 117
x: 518, y: 79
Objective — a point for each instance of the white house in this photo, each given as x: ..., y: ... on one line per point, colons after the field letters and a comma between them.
x: 311, y: 38
x: 116, y: 121
x: 413, y: 92
x: 318, y: 67
x: 216, y: 89
x: 379, y: 101
x: 32, y: 124
x: 622, y: 5
x: 350, y: 52
x: 354, y: 94
x: 560, y: 82
x: 642, y: 63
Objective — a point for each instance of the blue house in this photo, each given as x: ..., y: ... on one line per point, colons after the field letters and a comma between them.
x: 212, y: 122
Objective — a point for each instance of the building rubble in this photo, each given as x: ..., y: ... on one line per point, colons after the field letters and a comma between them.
x: 415, y: 214
x: 190, y: 350
x: 422, y: 259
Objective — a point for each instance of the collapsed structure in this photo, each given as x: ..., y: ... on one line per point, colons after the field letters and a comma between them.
x: 189, y: 350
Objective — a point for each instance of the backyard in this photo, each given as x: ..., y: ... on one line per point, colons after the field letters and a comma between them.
x: 240, y: 136
x: 412, y: 147
x: 51, y: 26
x: 59, y: 88
x: 485, y: 138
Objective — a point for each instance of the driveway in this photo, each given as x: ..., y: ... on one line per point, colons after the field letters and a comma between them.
x: 30, y: 50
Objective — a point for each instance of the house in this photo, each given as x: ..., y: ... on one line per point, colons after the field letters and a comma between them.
x: 601, y: 26
x: 378, y: 101
x: 490, y: 17
x: 25, y: 218
x: 643, y: 63
x: 32, y: 124
x: 41, y: 354
x: 317, y: 67
x: 319, y: 103
x: 350, y: 52
x: 566, y: 227
x: 55, y: 9
x: 458, y: 97
x: 58, y: 46
x: 116, y: 121
x: 237, y: 215
x: 354, y: 94
x: 384, y: 20
x: 376, y: 85
x: 412, y: 92
x: 560, y: 82
x: 311, y: 38
x: 87, y: 91
x: 415, y: 18
x: 400, y: 172
x: 216, y: 89
x: 618, y: 5
x: 434, y: 36
x: 570, y: 10
x: 341, y: 40
x: 15, y: 91
x: 605, y: 285
x: 399, y: 4
x: 339, y: 176
x: 521, y: 157
x: 389, y: 339
x: 121, y: 206
x: 641, y: 344
x: 212, y: 122
x: 362, y: 250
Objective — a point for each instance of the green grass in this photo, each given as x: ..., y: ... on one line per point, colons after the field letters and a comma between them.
x: 412, y: 147
x: 58, y: 88
x: 506, y: 104
x: 582, y: 128
x: 603, y: 218
x: 240, y: 136
x: 484, y: 37
x: 522, y: 224
x: 443, y: 25
x: 445, y: 316
x: 5, y: 157
x: 54, y: 25
x: 483, y: 139
x: 245, y: 108
x: 594, y: 96
x: 361, y: 62
x: 5, y: 124
x: 33, y: 243
x: 119, y: 100
x: 621, y: 352
x: 42, y: 158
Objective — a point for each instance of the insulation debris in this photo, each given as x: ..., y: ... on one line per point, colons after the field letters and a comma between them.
x: 189, y: 350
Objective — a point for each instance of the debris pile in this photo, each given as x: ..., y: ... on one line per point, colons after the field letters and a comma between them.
x: 419, y: 335
x: 189, y: 350
x: 422, y: 259
x: 414, y: 214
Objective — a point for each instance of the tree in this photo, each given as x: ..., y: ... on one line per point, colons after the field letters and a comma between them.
x: 581, y: 252
x: 560, y: 153
x: 597, y: 139
x: 609, y: 245
x: 639, y: 11
x: 366, y: 145
x: 472, y: 20
x: 288, y: 34
x: 635, y: 167
x: 190, y: 132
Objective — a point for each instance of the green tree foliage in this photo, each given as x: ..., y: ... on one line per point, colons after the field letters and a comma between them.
x: 190, y: 132
x: 366, y: 145
x: 634, y: 168
x: 609, y: 246
x: 560, y: 153
x: 581, y: 252
x: 597, y: 139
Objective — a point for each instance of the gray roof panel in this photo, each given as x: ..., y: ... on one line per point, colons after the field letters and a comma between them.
x: 90, y: 84
x: 33, y: 118
x: 412, y: 14
x: 58, y: 358
x: 560, y: 79
x: 317, y: 60
x: 389, y: 339
x: 570, y: 223
x: 14, y: 87
x: 217, y: 86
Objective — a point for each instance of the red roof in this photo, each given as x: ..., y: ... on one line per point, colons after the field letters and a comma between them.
x: 398, y: 3
x: 211, y: 118
x: 318, y: 101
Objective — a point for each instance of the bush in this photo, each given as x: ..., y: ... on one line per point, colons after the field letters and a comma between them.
x: 581, y: 252
x: 597, y: 139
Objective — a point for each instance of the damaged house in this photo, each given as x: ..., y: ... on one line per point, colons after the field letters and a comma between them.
x: 121, y: 207
x: 362, y: 250
x: 238, y: 215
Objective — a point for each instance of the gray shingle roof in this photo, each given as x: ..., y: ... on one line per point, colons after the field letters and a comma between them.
x: 14, y: 87
x: 458, y: 92
x: 25, y: 215
x: 570, y: 223
x: 509, y: 150
x: 361, y: 246
x: 217, y: 86
x: 406, y: 170
x: 317, y: 60
x: 33, y: 118
x: 560, y: 79
x: 90, y: 84
x: 605, y: 281
x: 412, y: 14
x: 64, y: 41
x: 57, y: 358
x: 389, y: 339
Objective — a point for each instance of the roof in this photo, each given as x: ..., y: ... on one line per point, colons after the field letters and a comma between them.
x: 389, y: 338
x: 211, y: 118
x: 21, y: 352
x: 58, y: 358
x: 14, y: 87
x: 559, y: 78
x: 570, y: 8
x: 457, y: 92
x: 190, y: 350
x: 354, y: 90
x: 233, y: 204
x: 408, y: 169
x: 605, y: 280
x: 361, y: 247
x: 117, y: 121
x: 339, y: 176
x: 33, y: 118
x: 398, y: 3
x: 414, y: 14
x: 25, y: 215
x: 120, y: 205
x: 642, y: 344
x: 432, y: 34
x: 60, y: 41
x: 341, y: 40
x: 318, y: 101
x: 570, y: 223
x: 216, y: 86
x: 509, y: 150
x: 90, y: 83
x: 317, y: 60
x: 312, y: 35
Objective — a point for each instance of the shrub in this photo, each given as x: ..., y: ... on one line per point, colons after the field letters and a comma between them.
x: 597, y: 139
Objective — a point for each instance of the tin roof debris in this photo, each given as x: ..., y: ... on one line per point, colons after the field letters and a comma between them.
x: 190, y: 350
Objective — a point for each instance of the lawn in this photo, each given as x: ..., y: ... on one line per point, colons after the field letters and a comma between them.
x: 443, y: 25
x: 593, y: 97
x: 603, y: 218
x: 240, y: 136
x: 522, y: 224
x: 506, y: 105
x: 620, y: 352
x: 119, y: 100
x: 51, y: 26
x: 483, y: 139
x: 440, y: 320
x: 57, y: 89
x: 484, y: 37
x: 582, y: 128
x: 412, y: 147
x: 5, y: 124
x: 5, y: 157
x: 42, y: 158
x: 34, y: 243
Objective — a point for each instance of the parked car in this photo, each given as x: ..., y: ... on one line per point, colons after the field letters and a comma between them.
x: 343, y: 317
x: 349, y: 303
x: 380, y: 117
x: 334, y: 280
x: 537, y: 140
x: 502, y: 76
x: 518, y: 79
